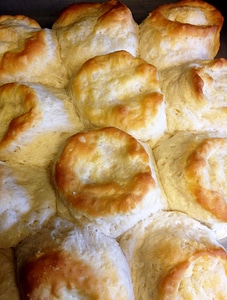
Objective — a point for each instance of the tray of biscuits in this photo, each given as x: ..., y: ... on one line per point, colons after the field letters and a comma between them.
x: 113, y: 150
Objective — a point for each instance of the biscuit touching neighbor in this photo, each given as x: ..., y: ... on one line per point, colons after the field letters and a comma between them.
x: 123, y: 91
x: 180, y: 32
x: 29, y: 53
x: 27, y: 201
x: 192, y: 169
x: 66, y: 261
x: 172, y: 256
x: 195, y: 95
x: 107, y: 178
x: 85, y: 30
x: 34, y: 121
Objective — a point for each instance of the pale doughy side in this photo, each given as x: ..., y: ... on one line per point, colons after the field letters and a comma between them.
x: 27, y: 202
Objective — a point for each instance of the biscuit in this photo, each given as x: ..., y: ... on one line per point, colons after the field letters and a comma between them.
x: 65, y: 261
x: 192, y: 170
x: 195, y: 95
x: 180, y: 32
x: 107, y: 178
x: 172, y: 256
x: 123, y: 91
x: 86, y: 30
x: 34, y: 121
x: 27, y: 201
x: 29, y: 53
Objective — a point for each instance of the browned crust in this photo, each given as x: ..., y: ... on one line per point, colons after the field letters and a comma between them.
x: 26, y: 104
x: 20, y: 19
x: 19, y: 60
x: 56, y: 270
x: 213, y: 201
x: 106, y: 12
x: 158, y: 18
x: 214, y: 17
x: 197, y: 74
x: 168, y: 285
x: 133, y: 110
x: 105, y: 195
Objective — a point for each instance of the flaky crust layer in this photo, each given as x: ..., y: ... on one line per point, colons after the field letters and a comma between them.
x: 29, y: 53
x: 86, y: 30
x: 172, y: 256
x: 66, y: 261
x: 27, y: 202
x: 105, y: 176
x: 180, y: 32
x: 34, y: 120
x: 192, y: 170
x: 130, y: 99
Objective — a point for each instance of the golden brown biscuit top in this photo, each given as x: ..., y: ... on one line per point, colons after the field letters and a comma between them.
x: 205, y: 172
x: 180, y: 32
x: 106, y: 13
x: 19, y: 111
x: 102, y: 172
x: 176, y: 281
x: 29, y: 53
x: 189, y: 13
x: 209, y: 80
x: 55, y: 271
x: 6, y: 21
x: 22, y: 40
x: 173, y: 256
x: 130, y: 99
x: 23, y: 53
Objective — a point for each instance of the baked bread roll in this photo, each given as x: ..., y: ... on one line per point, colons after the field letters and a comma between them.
x: 8, y: 285
x: 34, y: 120
x: 27, y: 201
x: 172, y: 256
x: 180, y: 32
x: 65, y: 261
x: 29, y: 53
x: 107, y: 178
x: 86, y: 30
x: 192, y: 168
x: 195, y: 95
x: 123, y: 91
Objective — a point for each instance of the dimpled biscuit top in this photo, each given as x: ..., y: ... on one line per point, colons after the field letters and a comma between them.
x: 123, y: 91
x: 105, y: 176
x: 192, y: 168
x: 179, y: 32
x: 29, y: 53
x: 85, y: 30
